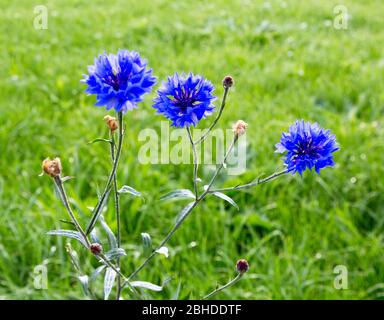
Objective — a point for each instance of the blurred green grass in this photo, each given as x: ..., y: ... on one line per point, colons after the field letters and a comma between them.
x: 289, y: 63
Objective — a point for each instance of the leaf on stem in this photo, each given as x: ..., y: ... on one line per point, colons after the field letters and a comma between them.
x: 115, y: 253
x: 130, y: 190
x: 184, y: 212
x: 109, y: 280
x: 97, y: 212
x: 84, y: 283
x: 98, y: 271
x: 100, y: 140
x: 178, y: 195
x: 164, y: 251
x: 111, y: 236
x: 226, y: 198
x: 69, y: 234
x: 147, y: 243
x: 146, y: 285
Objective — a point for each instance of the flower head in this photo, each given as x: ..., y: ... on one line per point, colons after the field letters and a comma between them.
x: 111, y: 122
x: 239, y: 127
x: 307, y: 145
x: 228, y: 82
x: 242, y: 266
x: 52, y: 167
x: 96, y: 248
x: 119, y: 81
x: 185, y: 99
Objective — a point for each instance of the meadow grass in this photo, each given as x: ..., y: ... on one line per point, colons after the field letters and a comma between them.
x: 289, y: 63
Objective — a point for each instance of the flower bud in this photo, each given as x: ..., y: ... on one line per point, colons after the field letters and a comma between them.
x: 228, y: 82
x: 239, y: 127
x: 111, y: 122
x: 96, y: 248
x: 52, y: 167
x: 242, y: 266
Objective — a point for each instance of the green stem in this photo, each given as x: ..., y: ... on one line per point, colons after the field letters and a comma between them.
x: 117, y: 211
x: 187, y: 213
x: 97, y: 210
x: 63, y: 195
x: 230, y: 283
x: 202, y: 138
x: 253, y: 183
x: 195, y: 162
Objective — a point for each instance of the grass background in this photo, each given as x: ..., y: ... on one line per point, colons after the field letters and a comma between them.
x: 289, y: 63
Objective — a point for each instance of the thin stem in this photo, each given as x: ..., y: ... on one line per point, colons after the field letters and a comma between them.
x: 117, y: 211
x: 195, y: 162
x: 63, y: 195
x: 230, y: 283
x: 202, y: 138
x: 253, y: 183
x: 97, y: 210
x: 186, y: 214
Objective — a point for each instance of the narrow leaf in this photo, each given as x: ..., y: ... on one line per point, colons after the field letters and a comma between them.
x: 99, y: 140
x: 184, y: 212
x: 69, y: 234
x: 84, y: 283
x: 226, y: 198
x: 130, y: 190
x: 96, y: 273
x: 146, y: 285
x: 109, y: 280
x: 111, y: 236
x: 115, y: 253
x: 94, y: 237
x: 178, y: 195
x: 164, y: 251
x: 147, y: 243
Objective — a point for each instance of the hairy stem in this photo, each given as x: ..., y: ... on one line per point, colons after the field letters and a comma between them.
x: 63, y: 195
x: 195, y: 162
x: 253, y: 183
x: 117, y: 211
x: 102, y: 199
x: 202, y: 138
x: 230, y: 283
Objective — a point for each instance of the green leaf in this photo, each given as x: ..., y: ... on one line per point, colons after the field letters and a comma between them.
x: 130, y: 190
x: 98, y: 271
x: 100, y: 140
x: 164, y: 251
x: 184, y: 212
x: 177, y: 292
x: 115, y: 253
x: 147, y: 243
x: 69, y: 234
x: 146, y: 285
x: 111, y: 236
x: 109, y: 280
x: 178, y: 195
x: 84, y: 283
x: 226, y: 198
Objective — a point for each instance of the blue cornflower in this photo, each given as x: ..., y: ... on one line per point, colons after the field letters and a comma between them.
x: 185, y: 99
x: 119, y: 81
x: 308, y: 146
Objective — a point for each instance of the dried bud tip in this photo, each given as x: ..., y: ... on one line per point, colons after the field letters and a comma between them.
x: 239, y: 127
x: 228, y: 82
x: 96, y: 248
x: 52, y: 167
x: 242, y: 266
x: 111, y: 123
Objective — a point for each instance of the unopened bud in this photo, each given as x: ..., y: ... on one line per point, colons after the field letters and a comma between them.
x: 52, y: 167
x: 228, y: 82
x: 96, y: 248
x: 111, y: 122
x: 239, y: 127
x: 242, y: 266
